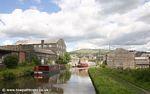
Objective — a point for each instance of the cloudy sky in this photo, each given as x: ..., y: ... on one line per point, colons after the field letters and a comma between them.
x: 81, y: 23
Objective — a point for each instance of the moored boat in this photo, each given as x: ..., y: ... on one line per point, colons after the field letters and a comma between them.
x: 83, y: 65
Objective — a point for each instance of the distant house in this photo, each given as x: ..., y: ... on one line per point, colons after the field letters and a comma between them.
x: 83, y: 60
x: 74, y: 60
x: 90, y: 56
x: 121, y: 58
x: 58, y: 46
x: 46, y: 50
x: 146, y: 54
x: 142, y: 62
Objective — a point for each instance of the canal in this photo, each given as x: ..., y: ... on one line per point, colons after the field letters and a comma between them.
x: 73, y: 81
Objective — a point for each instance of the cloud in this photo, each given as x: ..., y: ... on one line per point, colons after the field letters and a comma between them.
x: 135, y: 34
x: 88, y: 23
x: 119, y: 6
x: 80, y: 45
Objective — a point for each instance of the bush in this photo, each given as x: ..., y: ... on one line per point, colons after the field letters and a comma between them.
x: 11, y: 61
x: 103, y: 66
x: 24, y: 63
x: 64, y: 59
x: 2, y: 67
x: 8, y: 75
x: 36, y: 61
x: 27, y: 72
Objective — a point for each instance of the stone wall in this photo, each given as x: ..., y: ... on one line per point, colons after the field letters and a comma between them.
x: 121, y: 58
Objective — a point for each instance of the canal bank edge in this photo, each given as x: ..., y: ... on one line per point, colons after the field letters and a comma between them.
x: 97, y: 92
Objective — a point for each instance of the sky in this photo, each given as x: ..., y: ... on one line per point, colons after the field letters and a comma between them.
x: 81, y: 23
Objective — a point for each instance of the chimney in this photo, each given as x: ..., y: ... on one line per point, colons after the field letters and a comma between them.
x: 42, y: 43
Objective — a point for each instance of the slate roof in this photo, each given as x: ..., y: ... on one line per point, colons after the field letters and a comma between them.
x: 36, y: 41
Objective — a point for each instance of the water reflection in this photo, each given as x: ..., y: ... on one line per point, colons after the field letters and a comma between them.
x: 63, y: 78
x: 36, y: 84
x: 74, y: 81
x: 79, y: 83
x: 27, y: 82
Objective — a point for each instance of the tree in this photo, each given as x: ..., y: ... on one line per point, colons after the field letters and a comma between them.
x: 67, y: 56
x: 11, y: 61
x: 63, y: 59
x: 36, y: 61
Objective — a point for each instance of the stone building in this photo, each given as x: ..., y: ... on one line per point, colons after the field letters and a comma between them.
x: 74, y: 60
x: 120, y: 58
x: 142, y: 62
x: 18, y: 50
x: 56, y: 45
x: 83, y: 60
x: 46, y: 50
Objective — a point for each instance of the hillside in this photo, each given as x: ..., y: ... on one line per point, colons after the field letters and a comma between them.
x: 90, y: 51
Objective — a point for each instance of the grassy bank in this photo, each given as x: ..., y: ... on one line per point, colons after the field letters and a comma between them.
x: 106, y: 83
x: 139, y: 77
x: 19, y: 71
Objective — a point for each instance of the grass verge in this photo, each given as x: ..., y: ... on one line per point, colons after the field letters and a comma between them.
x: 139, y: 77
x: 19, y: 71
x: 105, y: 83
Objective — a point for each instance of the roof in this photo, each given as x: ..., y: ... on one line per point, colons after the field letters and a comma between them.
x: 120, y: 51
x: 36, y: 41
x: 44, y: 51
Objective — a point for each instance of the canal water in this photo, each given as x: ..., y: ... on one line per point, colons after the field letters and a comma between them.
x: 73, y: 81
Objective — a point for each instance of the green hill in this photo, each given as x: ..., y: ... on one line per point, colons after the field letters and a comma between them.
x: 90, y: 51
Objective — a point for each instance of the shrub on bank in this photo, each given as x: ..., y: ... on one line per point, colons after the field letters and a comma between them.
x: 27, y: 72
x: 63, y: 59
x: 11, y: 61
x: 20, y: 71
x: 8, y: 75
x: 2, y: 67
x: 24, y: 63
x: 36, y: 61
